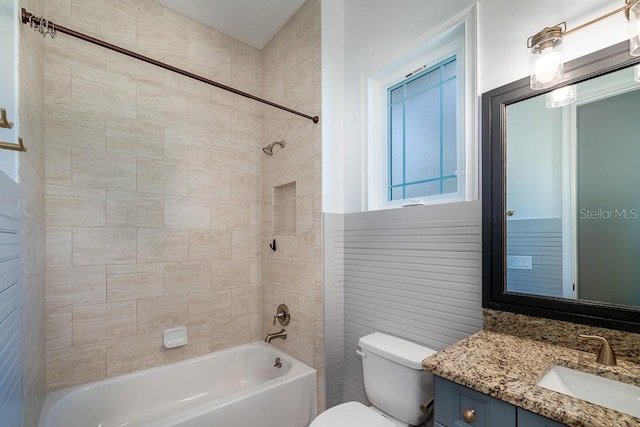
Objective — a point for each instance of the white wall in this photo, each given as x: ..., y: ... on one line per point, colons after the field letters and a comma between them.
x: 505, y: 25
x: 332, y: 118
x: 376, y: 32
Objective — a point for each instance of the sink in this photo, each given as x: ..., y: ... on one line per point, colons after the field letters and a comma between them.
x: 605, y: 392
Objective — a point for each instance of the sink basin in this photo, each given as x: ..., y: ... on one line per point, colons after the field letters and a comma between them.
x: 605, y: 392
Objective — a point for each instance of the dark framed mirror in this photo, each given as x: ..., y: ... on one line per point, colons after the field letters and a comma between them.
x: 561, y: 194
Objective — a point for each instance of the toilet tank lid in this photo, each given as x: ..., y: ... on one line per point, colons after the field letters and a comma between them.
x: 396, y: 349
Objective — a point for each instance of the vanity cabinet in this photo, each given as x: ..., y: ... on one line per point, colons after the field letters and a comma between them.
x: 459, y: 406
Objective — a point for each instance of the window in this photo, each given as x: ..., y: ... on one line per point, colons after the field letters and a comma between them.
x: 422, y: 133
x: 421, y: 120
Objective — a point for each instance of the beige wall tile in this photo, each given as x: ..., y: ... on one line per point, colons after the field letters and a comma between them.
x: 231, y: 332
x: 162, y: 245
x: 58, y: 328
x: 230, y: 274
x: 135, y: 71
x: 95, y: 90
x: 162, y: 178
x: 126, y: 209
x: 105, y: 20
x: 209, y: 245
x: 208, y: 54
x: 93, y: 246
x: 75, y: 365
x: 156, y: 107
x: 183, y: 147
x: 176, y: 84
x: 245, y: 244
x: 129, y: 354
x: 134, y: 137
x: 99, y: 169
x: 58, y: 244
x: 158, y: 314
x: 73, y: 206
x: 162, y: 39
x: 58, y: 164
x: 101, y: 322
x: 209, y: 120
x: 129, y: 282
x: 187, y: 212
x: 208, y: 306
x: 245, y: 187
x: 74, y: 126
x: 187, y: 277
x: 230, y: 215
x: 228, y: 157
x: 199, y: 343
x: 69, y: 286
x: 246, y: 301
x: 210, y: 183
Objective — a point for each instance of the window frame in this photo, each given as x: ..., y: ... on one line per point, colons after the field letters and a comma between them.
x: 456, y: 37
x: 409, y: 78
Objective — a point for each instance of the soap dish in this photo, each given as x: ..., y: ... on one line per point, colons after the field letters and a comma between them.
x: 175, y: 337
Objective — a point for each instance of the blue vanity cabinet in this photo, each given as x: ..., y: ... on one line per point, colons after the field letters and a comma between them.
x: 459, y: 406
x: 529, y: 419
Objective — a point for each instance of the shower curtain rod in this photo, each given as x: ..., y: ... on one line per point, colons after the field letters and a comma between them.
x: 52, y: 28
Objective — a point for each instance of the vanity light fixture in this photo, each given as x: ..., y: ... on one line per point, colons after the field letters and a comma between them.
x: 547, y: 62
x: 562, y: 96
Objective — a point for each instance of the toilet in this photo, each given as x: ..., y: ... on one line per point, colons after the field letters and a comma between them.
x: 395, y: 384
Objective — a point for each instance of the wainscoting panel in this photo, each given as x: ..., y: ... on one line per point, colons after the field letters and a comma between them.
x: 414, y: 273
x: 334, y: 307
x: 540, y: 239
x: 10, y: 304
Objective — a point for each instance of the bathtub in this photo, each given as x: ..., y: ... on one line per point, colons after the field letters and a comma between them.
x: 235, y: 387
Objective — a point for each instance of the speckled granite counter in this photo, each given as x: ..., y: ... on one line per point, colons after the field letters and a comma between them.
x: 508, y: 367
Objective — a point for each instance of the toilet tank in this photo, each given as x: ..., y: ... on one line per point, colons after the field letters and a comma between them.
x: 393, y: 376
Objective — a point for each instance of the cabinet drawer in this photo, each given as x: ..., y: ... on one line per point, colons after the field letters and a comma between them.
x: 459, y: 406
x: 529, y: 419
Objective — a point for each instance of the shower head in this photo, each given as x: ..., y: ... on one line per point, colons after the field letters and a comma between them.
x: 268, y: 150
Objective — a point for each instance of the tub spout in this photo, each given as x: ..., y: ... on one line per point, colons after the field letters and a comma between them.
x: 270, y: 337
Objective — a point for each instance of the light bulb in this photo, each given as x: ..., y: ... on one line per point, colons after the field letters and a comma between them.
x: 562, y: 96
x: 547, y: 65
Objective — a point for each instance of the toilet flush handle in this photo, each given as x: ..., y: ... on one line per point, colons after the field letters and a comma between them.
x: 361, y: 353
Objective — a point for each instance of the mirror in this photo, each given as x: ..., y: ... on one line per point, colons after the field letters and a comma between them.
x: 561, y: 200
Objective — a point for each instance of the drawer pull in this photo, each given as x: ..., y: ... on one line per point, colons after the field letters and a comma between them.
x: 469, y: 415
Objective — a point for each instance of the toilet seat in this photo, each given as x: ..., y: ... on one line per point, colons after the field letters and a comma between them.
x: 351, y: 414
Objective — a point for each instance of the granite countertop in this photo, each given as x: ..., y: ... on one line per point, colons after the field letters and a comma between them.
x: 507, y: 368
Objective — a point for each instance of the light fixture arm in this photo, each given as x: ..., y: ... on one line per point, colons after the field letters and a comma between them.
x: 626, y: 8
x: 547, y: 63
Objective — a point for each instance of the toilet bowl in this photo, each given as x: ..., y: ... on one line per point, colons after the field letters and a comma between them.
x: 395, y: 384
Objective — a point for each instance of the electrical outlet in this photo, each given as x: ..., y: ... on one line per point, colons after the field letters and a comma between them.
x: 519, y: 262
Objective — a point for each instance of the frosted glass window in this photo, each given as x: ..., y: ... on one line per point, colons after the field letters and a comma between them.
x: 422, y: 140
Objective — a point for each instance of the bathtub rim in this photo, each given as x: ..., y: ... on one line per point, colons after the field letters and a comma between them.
x: 298, y: 370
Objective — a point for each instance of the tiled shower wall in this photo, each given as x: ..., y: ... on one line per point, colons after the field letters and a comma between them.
x: 293, y: 274
x: 31, y: 176
x: 153, y: 192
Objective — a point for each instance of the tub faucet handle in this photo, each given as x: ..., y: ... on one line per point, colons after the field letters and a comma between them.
x: 276, y: 317
x: 606, y: 356
x: 282, y: 315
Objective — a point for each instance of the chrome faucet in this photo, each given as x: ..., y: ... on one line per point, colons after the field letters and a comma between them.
x: 606, y: 356
x: 270, y: 337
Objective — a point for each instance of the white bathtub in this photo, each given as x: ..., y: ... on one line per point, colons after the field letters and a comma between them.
x: 235, y: 387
